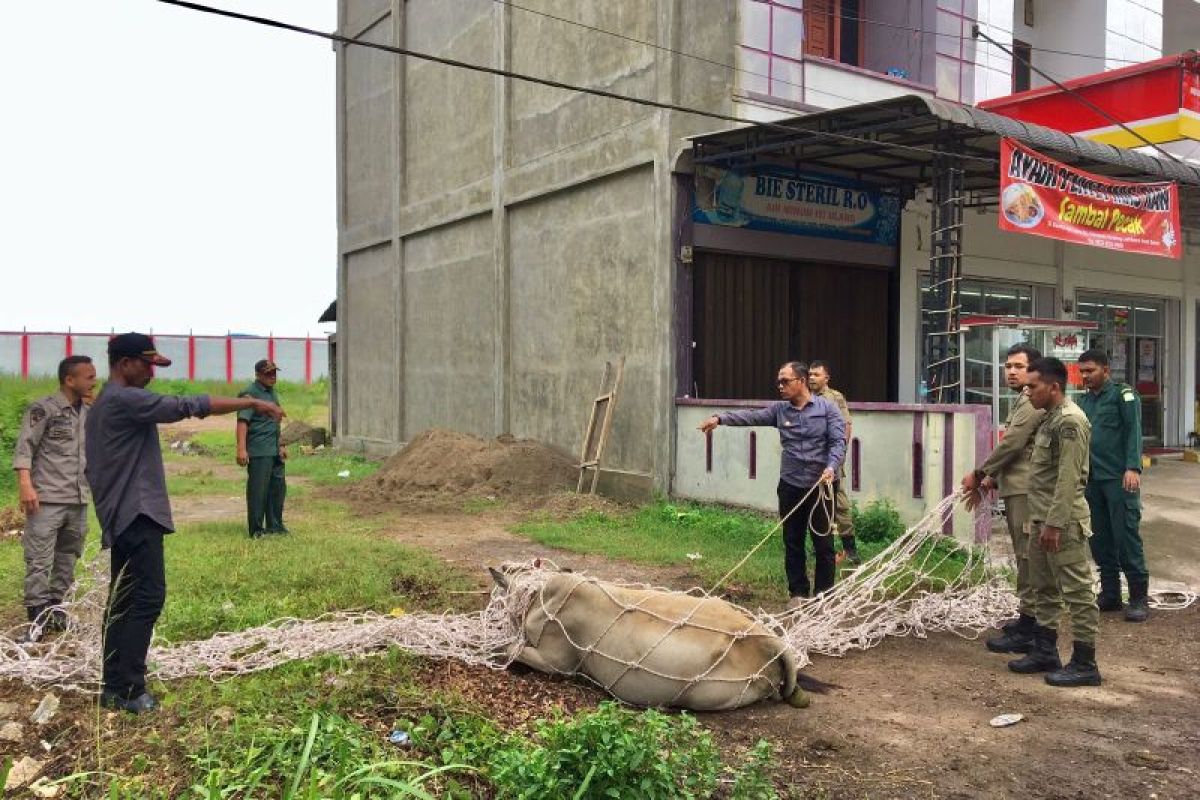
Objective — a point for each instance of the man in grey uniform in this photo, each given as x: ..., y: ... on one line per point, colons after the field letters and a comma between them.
x: 49, y: 462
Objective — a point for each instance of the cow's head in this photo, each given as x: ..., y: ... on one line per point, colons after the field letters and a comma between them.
x: 511, y: 571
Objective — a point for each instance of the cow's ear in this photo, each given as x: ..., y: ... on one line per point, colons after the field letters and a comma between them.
x: 499, y: 577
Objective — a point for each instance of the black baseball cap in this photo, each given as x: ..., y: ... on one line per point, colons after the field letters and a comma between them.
x: 136, y: 345
x: 265, y: 366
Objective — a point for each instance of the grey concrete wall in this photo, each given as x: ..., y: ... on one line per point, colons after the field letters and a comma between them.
x: 448, y: 130
x: 581, y: 295
x: 370, y: 395
x: 368, y: 131
x: 546, y: 120
x: 450, y: 318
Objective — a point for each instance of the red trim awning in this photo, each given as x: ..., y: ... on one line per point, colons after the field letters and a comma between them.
x: 1159, y: 99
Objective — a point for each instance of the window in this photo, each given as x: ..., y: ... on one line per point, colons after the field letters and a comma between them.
x: 832, y: 30
x: 978, y: 298
x: 1131, y: 332
x: 1021, y: 72
x: 955, y: 52
x: 775, y: 36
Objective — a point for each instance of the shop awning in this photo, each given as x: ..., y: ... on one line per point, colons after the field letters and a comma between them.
x: 1159, y: 99
x: 899, y: 142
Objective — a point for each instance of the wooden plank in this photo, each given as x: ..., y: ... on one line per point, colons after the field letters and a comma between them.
x: 595, y: 436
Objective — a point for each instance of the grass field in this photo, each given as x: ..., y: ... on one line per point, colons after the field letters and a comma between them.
x: 667, y: 534
x: 305, y: 403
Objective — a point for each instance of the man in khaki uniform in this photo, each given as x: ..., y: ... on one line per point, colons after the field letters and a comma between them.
x: 1008, y: 469
x: 49, y: 461
x: 1059, y: 569
x: 818, y: 384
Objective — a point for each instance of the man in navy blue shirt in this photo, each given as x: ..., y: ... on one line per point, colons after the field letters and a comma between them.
x: 813, y: 436
x: 129, y: 487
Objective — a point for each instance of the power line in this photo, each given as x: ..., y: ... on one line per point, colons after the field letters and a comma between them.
x: 504, y: 73
x: 770, y: 78
x: 961, y: 37
x: 1170, y: 156
x: 800, y: 11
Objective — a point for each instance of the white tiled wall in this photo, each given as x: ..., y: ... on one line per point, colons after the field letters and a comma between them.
x: 993, y: 67
x: 1132, y: 32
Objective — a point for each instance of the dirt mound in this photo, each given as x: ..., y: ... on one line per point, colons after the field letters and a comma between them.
x: 442, y: 464
x: 303, y: 433
x: 12, y: 519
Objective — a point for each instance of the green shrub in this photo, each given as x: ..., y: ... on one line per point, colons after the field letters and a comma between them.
x: 611, y: 751
x: 879, y: 522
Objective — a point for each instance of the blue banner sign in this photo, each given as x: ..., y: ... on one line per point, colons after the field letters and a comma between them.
x: 772, y: 199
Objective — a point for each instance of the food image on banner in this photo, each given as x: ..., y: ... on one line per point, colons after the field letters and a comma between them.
x: 1045, y: 197
x: 1021, y: 205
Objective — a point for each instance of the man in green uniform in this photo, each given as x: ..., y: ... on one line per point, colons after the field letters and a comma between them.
x: 818, y: 384
x: 1113, y: 490
x: 1058, y: 555
x: 1008, y: 469
x: 259, y: 450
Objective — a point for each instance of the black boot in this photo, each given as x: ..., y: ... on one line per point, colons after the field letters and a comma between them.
x: 1139, y: 602
x: 1017, y: 638
x: 1044, y: 655
x: 1080, y: 671
x: 1109, y: 598
x: 34, y: 632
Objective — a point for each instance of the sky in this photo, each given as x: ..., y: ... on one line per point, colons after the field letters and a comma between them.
x: 166, y: 170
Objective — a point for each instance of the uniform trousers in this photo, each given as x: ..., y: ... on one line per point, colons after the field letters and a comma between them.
x: 1064, y: 578
x: 53, y: 542
x: 1016, y: 517
x: 1116, y: 542
x: 266, y: 490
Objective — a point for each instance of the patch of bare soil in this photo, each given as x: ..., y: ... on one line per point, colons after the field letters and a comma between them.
x: 494, y: 692
x: 441, y: 468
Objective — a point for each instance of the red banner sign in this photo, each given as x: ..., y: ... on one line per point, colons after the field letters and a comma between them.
x: 1045, y: 197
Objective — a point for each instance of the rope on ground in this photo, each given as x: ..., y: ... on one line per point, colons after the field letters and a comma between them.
x: 922, y: 582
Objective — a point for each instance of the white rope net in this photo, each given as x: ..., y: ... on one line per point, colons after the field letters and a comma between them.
x: 923, y: 582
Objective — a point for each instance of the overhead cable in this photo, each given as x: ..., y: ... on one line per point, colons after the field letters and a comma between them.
x: 505, y: 73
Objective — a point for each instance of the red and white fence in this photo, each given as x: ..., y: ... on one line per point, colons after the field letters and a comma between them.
x: 229, y: 358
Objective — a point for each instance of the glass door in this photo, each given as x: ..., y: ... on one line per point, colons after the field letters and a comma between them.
x: 1131, y: 332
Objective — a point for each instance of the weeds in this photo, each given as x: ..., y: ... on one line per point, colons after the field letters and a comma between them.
x: 608, y: 752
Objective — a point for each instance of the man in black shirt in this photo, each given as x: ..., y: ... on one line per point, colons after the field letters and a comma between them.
x: 129, y: 487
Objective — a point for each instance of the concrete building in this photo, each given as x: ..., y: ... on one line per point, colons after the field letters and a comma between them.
x: 499, y: 240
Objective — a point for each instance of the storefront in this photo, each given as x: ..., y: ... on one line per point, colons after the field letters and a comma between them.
x: 752, y: 293
x: 775, y: 255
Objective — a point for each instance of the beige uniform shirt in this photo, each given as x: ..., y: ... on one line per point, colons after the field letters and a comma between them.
x: 1059, y: 468
x: 1009, y: 462
x: 50, y: 446
x: 839, y: 399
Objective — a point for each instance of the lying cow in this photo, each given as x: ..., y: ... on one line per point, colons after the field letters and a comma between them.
x: 650, y: 647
